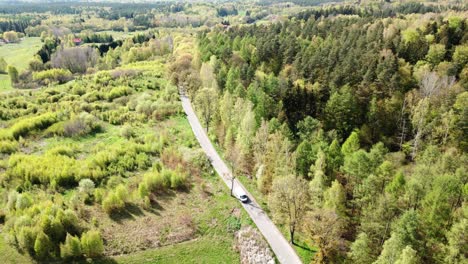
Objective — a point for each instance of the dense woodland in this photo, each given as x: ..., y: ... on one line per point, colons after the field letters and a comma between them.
x: 348, y: 122
x: 366, y: 109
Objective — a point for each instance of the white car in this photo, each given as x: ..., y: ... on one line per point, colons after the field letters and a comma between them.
x: 241, y: 195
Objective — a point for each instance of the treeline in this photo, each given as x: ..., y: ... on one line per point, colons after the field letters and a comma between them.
x: 59, y: 59
x: 380, y: 11
x: 16, y: 25
x: 360, y: 120
x: 299, y: 2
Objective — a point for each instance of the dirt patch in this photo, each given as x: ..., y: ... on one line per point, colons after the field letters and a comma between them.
x: 170, y: 222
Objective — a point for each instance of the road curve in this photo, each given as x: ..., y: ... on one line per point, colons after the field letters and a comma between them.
x: 280, y: 246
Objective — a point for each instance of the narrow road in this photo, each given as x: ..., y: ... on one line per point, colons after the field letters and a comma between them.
x: 280, y: 246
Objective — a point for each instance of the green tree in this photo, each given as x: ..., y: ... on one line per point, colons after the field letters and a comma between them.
x: 408, y: 256
x: 460, y: 56
x: 457, y: 243
x: 391, y: 251
x: 13, y: 73
x: 436, y: 54
x: 351, y: 144
x: 3, y: 65
x: 289, y: 199
x: 92, y: 245
x: 342, y: 112
x: 206, y: 102
x: 361, y: 250
x: 335, y: 198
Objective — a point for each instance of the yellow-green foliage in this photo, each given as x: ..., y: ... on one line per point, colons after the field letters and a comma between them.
x: 117, y: 92
x: 27, y: 125
x: 59, y: 167
x: 52, y: 75
x: 156, y: 180
x: 65, y: 171
x: 40, y: 227
x: 8, y: 147
x: 113, y: 202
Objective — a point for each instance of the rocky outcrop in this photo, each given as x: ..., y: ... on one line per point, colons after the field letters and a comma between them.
x: 252, y: 247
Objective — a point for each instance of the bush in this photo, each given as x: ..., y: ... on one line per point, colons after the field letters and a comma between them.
x: 117, y: 92
x: 81, y: 125
x: 112, y: 203
x: 86, y: 186
x: 8, y: 147
x: 53, y: 75
x: 25, y: 126
x: 75, y: 59
x: 23, y: 201
x: 178, y: 180
x: 26, y: 239
x: 42, y: 246
x: 122, y: 193
x: 92, y: 245
x: 158, y: 181
x: 71, y: 248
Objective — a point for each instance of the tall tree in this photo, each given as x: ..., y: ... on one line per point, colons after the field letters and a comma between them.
x: 289, y: 200
x: 206, y: 101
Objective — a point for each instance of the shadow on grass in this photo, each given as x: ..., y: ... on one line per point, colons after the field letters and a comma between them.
x: 130, y: 211
x: 304, y: 246
x: 102, y: 260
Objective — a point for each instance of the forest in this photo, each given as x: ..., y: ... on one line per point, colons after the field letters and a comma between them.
x: 347, y: 123
x: 367, y: 109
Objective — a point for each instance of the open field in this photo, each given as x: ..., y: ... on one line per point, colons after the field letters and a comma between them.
x: 18, y: 55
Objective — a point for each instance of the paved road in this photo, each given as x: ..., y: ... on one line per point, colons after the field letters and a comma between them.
x: 281, y: 247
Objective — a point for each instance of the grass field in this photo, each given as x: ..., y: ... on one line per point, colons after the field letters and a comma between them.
x: 18, y: 55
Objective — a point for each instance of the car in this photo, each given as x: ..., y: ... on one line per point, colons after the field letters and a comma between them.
x: 242, y: 196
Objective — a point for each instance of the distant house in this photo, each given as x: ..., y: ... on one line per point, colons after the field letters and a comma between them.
x: 77, y: 41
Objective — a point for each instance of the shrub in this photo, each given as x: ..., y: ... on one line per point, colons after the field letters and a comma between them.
x: 69, y: 220
x: 25, y: 126
x: 143, y: 190
x: 23, y: 201
x: 8, y: 147
x: 71, y: 248
x: 62, y: 150
x: 26, y: 238
x: 117, y: 92
x: 178, y: 180
x: 122, y: 193
x: 112, y: 203
x: 13, y: 73
x: 52, y: 75
x: 82, y: 125
x: 75, y: 59
x: 42, y: 246
x: 86, y: 186
x: 91, y: 244
x: 63, y: 170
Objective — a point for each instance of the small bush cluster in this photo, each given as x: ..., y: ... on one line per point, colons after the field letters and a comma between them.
x: 115, y: 200
x: 52, y: 76
x: 160, y: 180
x: 8, y: 146
x: 27, y: 125
x: 47, y: 232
